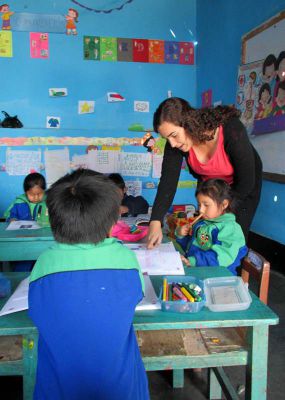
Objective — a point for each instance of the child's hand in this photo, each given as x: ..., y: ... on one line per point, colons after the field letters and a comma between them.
x: 185, y: 260
x: 183, y: 230
x: 124, y: 210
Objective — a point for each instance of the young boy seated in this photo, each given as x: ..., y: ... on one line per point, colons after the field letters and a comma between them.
x: 82, y: 298
x: 131, y: 206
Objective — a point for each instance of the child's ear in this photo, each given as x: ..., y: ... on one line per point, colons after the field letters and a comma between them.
x: 110, y: 232
x: 225, y: 204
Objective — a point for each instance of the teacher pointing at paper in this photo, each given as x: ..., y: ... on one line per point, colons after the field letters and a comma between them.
x: 215, y: 144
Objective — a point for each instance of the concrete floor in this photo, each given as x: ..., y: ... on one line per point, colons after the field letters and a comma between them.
x: 195, y: 382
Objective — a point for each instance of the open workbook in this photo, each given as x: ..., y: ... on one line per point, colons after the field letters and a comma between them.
x: 18, y: 301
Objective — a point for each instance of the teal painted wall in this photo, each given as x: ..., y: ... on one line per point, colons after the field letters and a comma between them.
x: 25, y: 81
x: 220, y: 26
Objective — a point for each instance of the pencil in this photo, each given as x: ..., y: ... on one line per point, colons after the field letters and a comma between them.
x: 196, y: 219
x: 164, y: 289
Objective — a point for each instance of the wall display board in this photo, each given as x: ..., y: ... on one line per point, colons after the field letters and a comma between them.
x: 261, y: 93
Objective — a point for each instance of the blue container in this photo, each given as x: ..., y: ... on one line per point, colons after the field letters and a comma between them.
x: 181, y: 306
x: 5, y: 286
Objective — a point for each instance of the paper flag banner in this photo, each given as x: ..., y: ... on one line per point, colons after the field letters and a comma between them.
x: 86, y: 107
x: 113, y: 97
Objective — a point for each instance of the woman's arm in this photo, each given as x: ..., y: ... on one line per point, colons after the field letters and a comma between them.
x: 171, y: 167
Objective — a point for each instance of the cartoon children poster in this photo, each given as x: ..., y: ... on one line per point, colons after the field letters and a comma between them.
x: 261, y: 94
x: 6, y: 14
x: 71, y: 21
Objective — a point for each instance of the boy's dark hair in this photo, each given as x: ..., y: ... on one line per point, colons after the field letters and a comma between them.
x: 82, y: 206
x: 118, y: 180
x: 218, y: 190
x: 34, y: 179
x: 281, y: 86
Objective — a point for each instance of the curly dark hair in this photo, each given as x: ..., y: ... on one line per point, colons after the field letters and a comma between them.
x: 200, y: 124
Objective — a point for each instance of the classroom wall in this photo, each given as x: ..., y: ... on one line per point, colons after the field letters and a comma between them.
x: 25, y: 81
x: 220, y: 26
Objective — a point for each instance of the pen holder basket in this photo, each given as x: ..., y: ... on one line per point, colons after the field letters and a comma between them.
x: 181, y: 306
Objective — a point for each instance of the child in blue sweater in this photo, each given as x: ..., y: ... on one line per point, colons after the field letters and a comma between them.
x: 217, y: 239
x: 82, y: 298
x: 30, y: 205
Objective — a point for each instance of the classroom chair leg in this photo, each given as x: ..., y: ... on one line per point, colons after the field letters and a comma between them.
x: 178, y: 378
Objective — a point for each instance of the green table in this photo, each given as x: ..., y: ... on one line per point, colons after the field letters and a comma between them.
x: 24, y: 244
x: 257, y: 318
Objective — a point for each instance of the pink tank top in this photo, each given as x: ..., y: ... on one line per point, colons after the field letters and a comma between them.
x: 218, y: 166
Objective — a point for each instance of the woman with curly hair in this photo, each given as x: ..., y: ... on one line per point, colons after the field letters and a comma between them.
x: 215, y: 144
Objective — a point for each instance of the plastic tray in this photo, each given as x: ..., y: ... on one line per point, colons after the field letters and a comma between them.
x: 181, y: 306
x: 226, y: 294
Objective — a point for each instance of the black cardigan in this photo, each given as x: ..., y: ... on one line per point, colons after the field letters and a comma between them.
x: 242, y: 155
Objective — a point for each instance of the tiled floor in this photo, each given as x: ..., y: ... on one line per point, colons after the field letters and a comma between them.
x: 195, y: 382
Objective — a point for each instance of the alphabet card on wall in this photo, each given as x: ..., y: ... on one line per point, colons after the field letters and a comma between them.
x: 22, y: 162
x: 6, y: 44
x: 135, y: 164
x: 39, y: 45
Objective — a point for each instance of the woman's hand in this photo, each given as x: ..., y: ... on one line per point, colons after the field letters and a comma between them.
x: 154, y: 236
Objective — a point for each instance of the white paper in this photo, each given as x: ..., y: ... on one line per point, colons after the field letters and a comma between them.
x: 141, y: 106
x: 163, y: 247
x: 15, y: 225
x: 135, y: 164
x: 86, y: 106
x: 22, y: 162
x: 150, y: 300
x: 156, y: 165
x: 80, y: 161
x: 105, y: 161
x: 156, y: 262
x: 57, y: 164
x: 19, y: 299
x: 134, y: 188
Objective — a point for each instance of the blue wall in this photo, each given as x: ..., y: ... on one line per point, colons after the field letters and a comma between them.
x: 220, y: 26
x: 24, y: 90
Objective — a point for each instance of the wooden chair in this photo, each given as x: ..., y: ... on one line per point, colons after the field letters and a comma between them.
x: 257, y: 267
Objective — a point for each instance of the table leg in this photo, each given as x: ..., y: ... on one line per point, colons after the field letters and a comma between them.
x: 256, y: 370
x: 30, y: 346
x: 178, y: 378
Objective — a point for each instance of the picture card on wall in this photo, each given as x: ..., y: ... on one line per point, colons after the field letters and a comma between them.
x: 86, y: 106
x: 141, y: 106
x: 57, y: 92
x: 171, y: 52
x: 91, y: 47
x: 134, y: 188
x: 39, y: 45
x: 6, y: 44
x: 53, y: 122
x: 156, y: 51
x: 207, y: 98
x: 186, y: 53
x: 57, y: 164
x: 140, y: 50
x: 114, y: 97
x: 125, y: 49
x: 108, y: 49
x: 135, y: 164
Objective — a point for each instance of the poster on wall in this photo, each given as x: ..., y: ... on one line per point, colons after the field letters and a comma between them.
x: 261, y: 95
x: 39, y: 45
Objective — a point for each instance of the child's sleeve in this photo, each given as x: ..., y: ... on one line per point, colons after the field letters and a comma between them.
x: 228, y: 248
x: 11, y: 212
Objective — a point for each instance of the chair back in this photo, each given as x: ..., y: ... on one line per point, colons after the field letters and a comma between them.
x: 257, y: 267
